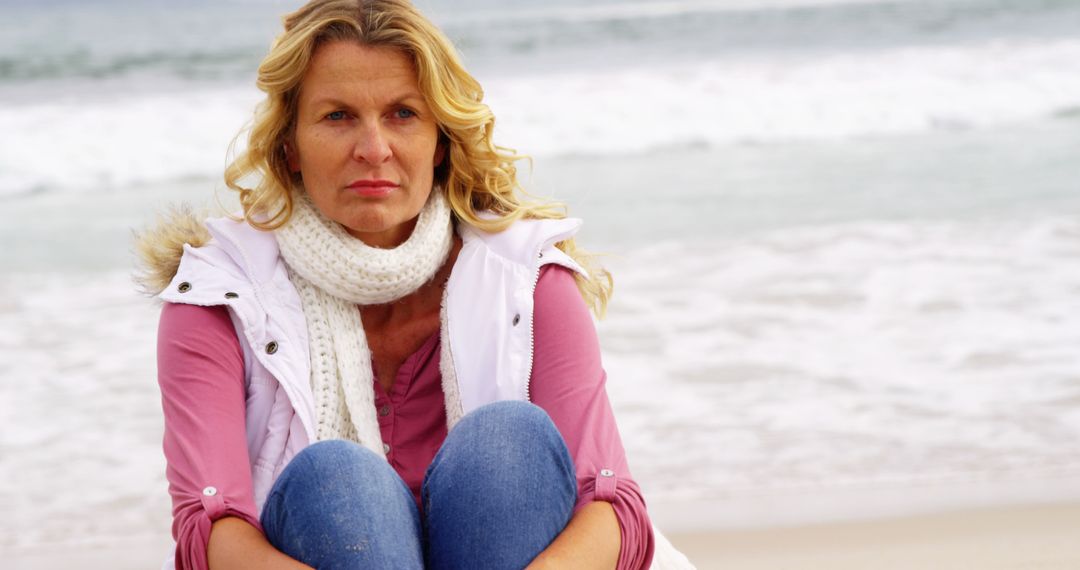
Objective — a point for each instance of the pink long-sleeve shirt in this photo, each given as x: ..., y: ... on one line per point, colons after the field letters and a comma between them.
x: 201, y: 374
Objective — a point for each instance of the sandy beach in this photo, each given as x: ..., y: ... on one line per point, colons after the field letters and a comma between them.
x: 1028, y: 537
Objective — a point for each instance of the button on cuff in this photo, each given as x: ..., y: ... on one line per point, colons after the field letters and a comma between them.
x: 213, y: 503
x: 606, y: 483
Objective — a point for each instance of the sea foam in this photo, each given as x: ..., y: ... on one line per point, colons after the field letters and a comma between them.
x: 849, y: 355
x: 77, y: 145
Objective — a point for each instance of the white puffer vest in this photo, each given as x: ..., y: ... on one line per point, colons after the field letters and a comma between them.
x: 488, y: 312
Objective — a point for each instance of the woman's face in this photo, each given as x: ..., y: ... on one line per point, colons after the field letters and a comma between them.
x: 366, y: 143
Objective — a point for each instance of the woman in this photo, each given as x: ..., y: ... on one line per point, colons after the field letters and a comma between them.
x: 372, y: 332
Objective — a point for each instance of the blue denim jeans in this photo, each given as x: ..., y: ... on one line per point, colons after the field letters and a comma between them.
x: 498, y: 492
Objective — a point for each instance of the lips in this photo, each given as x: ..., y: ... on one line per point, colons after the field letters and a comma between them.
x: 373, y: 188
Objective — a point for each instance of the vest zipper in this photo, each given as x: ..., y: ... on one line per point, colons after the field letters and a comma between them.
x: 532, y: 339
x: 537, y: 256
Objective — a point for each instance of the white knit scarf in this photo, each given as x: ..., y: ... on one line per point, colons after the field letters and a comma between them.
x: 333, y: 273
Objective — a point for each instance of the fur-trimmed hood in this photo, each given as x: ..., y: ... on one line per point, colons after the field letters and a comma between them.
x: 158, y: 248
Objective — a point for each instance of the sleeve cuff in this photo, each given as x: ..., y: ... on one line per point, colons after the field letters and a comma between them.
x: 215, y: 507
x: 636, y: 548
x: 606, y: 484
x: 192, y: 530
x: 213, y: 503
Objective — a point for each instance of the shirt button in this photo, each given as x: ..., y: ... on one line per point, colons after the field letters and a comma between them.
x: 184, y: 287
x: 271, y: 347
x: 384, y: 411
x: 386, y: 448
x: 210, y: 491
x: 607, y: 473
x: 517, y: 319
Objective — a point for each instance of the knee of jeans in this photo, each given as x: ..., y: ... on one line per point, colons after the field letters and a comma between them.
x: 498, y: 450
x: 338, y: 460
x: 510, y: 412
x: 510, y: 429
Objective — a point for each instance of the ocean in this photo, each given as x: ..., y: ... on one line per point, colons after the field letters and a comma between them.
x: 845, y: 236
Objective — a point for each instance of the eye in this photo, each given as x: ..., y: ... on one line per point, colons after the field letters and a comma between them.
x: 336, y: 116
x: 404, y: 113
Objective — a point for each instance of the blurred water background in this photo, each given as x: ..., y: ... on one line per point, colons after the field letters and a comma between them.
x: 845, y: 236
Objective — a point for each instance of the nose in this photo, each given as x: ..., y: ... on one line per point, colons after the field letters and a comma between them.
x: 371, y: 144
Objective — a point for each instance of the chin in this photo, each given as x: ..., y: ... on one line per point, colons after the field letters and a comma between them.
x: 375, y: 227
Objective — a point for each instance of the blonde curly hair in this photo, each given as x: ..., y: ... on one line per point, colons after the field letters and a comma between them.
x: 477, y: 176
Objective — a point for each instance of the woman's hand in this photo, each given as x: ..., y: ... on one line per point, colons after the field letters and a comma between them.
x: 590, y: 541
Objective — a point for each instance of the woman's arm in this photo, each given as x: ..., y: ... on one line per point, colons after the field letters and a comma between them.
x: 611, y: 526
x: 236, y: 545
x: 591, y: 540
x: 201, y: 375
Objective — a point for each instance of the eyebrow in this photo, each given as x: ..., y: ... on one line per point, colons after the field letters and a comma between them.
x: 336, y: 102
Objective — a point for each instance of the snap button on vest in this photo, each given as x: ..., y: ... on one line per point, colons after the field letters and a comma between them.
x: 231, y: 295
x: 271, y: 347
x: 184, y: 287
x: 517, y: 319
